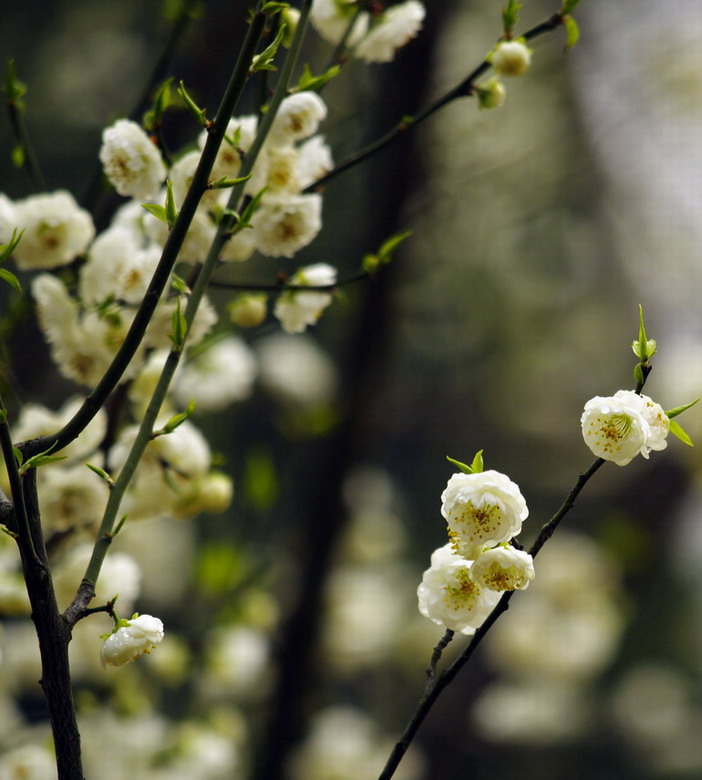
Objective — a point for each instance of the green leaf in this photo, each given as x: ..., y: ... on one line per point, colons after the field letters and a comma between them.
x: 644, y: 348
x: 179, y: 284
x: 274, y: 7
x: 680, y: 409
x: 170, y: 210
x: 13, y: 88
x: 18, y: 156
x: 264, y: 60
x: 191, y: 105
x: 568, y: 6
x: 19, y: 457
x: 39, y: 460
x: 309, y: 82
x: 178, y: 419
x: 6, y: 250
x: 104, y: 476
x: 639, y: 377
x: 477, y: 465
x: 462, y: 466
x: 510, y: 16
x: 372, y: 262
x: 162, y: 100
x: 158, y: 211
x: 226, y: 182
x: 244, y: 221
x: 572, y: 31
x: 5, y: 530
x: 179, y: 327
x: 677, y: 430
x: 11, y: 279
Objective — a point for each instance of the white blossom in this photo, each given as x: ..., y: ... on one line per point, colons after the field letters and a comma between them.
x: 510, y: 58
x: 395, y: 28
x: 314, y: 160
x: 71, y: 498
x: 297, y: 309
x: 81, y: 346
x: 296, y: 370
x: 136, y: 637
x: 503, y: 568
x: 450, y: 596
x: 482, y: 509
x: 282, y: 226
x: 56, y: 230
x: 36, y: 420
x: 218, y: 376
x: 331, y: 19
x: 131, y: 161
x: 117, y: 267
x: 620, y: 427
x: 298, y: 117
x: 120, y: 574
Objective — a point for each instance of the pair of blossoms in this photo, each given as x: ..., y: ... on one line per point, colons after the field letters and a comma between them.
x: 485, y: 510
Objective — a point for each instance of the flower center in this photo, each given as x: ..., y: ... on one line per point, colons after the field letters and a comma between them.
x: 617, y: 427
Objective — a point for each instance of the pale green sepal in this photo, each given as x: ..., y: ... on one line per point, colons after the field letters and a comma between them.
x: 677, y: 430
x: 274, y: 7
x: 638, y: 375
x: 680, y: 409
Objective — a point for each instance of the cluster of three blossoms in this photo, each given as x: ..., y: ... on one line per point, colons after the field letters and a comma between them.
x: 485, y: 510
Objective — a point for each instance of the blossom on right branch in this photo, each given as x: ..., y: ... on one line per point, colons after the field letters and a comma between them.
x: 620, y: 427
x: 296, y: 309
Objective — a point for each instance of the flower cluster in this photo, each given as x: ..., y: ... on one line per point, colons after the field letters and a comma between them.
x: 484, y: 510
x: 620, y: 427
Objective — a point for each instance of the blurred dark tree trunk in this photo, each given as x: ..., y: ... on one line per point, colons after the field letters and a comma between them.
x: 401, y: 88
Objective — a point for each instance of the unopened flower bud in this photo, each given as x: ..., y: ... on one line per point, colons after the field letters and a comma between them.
x: 491, y: 94
x: 132, y: 639
x: 511, y: 58
x: 248, y: 311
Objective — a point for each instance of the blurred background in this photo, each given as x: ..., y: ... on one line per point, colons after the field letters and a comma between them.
x: 294, y: 648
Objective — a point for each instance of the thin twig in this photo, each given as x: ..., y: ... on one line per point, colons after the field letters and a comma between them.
x: 465, y: 88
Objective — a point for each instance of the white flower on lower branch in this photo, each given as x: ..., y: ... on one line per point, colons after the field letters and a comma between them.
x: 450, y: 596
x: 131, y: 639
